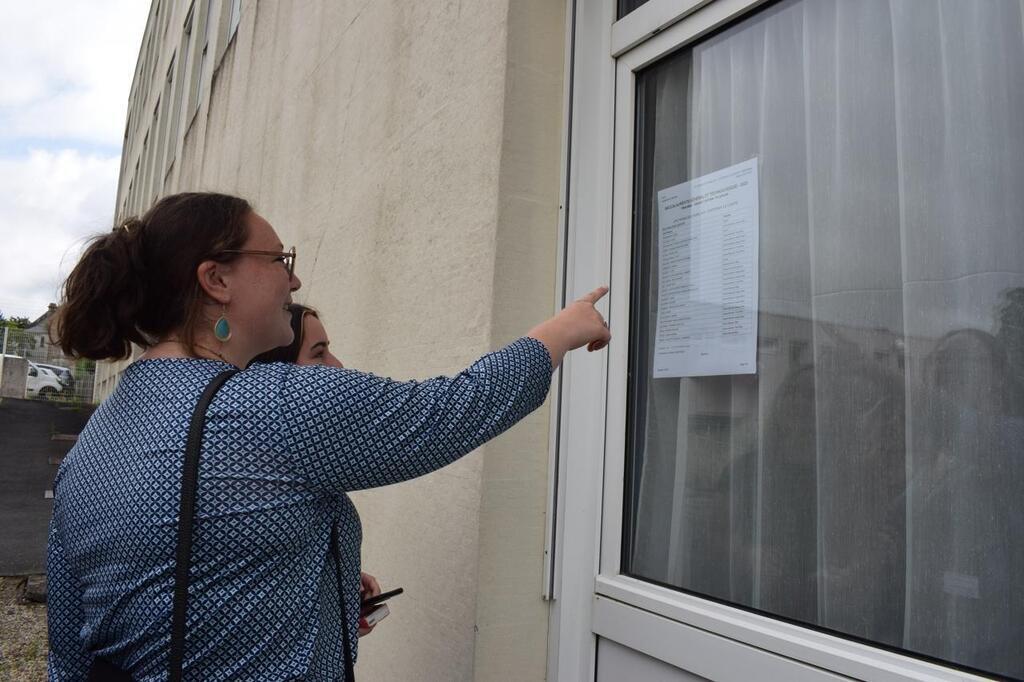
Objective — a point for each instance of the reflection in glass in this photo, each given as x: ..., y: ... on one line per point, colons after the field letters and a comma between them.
x: 868, y: 478
x: 627, y: 6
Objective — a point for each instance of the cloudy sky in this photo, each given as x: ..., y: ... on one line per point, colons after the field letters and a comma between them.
x: 65, y: 72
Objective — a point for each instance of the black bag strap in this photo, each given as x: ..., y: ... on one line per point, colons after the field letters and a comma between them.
x: 350, y: 674
x: 186, y: 517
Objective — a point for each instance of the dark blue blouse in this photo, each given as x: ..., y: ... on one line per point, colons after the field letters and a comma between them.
x: 281, y: 447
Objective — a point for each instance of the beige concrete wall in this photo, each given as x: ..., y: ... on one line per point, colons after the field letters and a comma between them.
x: 511, y: 617
x: 107, y: 376
x: 411, y: 153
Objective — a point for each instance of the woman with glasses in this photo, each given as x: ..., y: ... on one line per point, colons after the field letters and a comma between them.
x: 204, y: 285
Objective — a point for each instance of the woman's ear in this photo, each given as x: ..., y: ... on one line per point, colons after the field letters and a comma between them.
x: 211, y: 275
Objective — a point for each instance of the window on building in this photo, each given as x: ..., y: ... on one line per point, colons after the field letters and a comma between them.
x: 152, y: 181
x: 143, y: 68
x: 797, y: 350
x: 201, y: 65
x: 182, y: 92
x: 234, y: 17
x: 143, y: 180
x: 124, y: 146
x: 133, y: 188
x: 767, y: 344
x: 876, y: 500
x: 154, y: 50
x: 167, y: 21
x: 166, y: 145
x: 627, y: 6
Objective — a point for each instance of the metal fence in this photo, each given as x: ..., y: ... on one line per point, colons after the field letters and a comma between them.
x: 31, y: 367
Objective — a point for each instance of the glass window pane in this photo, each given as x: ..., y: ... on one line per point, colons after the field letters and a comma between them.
x: 627, y: 6
x: 868, y: 478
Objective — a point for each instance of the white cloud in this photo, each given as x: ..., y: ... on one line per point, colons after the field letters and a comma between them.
x: 66, y: 68
x: 52, y: 202
x: 65, y: 75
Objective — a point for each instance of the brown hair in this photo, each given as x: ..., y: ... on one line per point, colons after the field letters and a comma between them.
x: 137, y: 283
x: 290, y: 353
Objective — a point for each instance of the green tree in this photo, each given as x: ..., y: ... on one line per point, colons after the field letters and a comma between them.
x: 19, y: 342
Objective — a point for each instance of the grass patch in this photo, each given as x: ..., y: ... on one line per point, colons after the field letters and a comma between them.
x: 23, y: 643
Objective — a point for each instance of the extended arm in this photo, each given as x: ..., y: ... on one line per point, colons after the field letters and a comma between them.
x: 347, y: 430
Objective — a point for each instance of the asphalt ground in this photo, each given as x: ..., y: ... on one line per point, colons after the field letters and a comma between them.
x: 28, y: 457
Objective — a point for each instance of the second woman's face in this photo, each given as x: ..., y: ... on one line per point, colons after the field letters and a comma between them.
x: 315, y: 348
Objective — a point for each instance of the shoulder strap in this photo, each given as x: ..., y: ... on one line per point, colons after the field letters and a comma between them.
x: 186, y: 513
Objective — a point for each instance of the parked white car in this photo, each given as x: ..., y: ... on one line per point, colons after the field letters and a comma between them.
x: 64, y: 375
x: 42, y: 383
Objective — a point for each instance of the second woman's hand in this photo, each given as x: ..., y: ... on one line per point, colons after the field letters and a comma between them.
x: 577, y: 325
x: 368, y: 587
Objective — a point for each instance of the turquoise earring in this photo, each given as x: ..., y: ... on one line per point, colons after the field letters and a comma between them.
x: 221, y: 328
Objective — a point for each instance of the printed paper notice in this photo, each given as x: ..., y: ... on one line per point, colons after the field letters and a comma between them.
x: 707, y: 284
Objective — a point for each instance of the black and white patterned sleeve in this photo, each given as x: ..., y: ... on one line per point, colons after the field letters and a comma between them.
x: 348, y: 430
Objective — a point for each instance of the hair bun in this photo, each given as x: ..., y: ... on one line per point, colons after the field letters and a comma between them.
x: 138, y: 281
x: 126, y: 238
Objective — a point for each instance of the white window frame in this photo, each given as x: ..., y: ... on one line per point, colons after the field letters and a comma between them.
x: 227, y: 28
x: 234, y: 17
x: 592, y: 599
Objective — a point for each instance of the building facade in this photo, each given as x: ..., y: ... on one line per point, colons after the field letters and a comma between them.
x: 801, y: 456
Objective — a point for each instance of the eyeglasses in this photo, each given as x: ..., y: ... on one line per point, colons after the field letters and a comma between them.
x: 286, y: 257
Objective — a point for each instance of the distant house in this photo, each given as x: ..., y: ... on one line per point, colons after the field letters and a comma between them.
x: 43, y: 350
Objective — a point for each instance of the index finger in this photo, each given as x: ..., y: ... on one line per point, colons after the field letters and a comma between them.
x: 594, y: 296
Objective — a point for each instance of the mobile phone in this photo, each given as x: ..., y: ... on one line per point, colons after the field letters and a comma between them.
x: 381, y: 598
x: 374, y: 617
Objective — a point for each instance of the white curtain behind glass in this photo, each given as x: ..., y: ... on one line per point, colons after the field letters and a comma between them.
x: 869, y: 478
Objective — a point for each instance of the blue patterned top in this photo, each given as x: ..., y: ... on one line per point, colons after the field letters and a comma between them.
x: 282, y: 445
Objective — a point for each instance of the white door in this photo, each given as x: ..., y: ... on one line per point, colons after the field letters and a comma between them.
x: 847, y: 505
